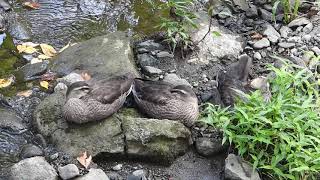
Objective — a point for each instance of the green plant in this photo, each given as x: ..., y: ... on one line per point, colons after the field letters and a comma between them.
x: 281, y: 137
x: 179, y: 22
x: 290, y: 10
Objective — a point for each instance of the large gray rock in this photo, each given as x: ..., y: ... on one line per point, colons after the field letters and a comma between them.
x: 213, y: 48
x: 160, y: 139
x: 94, y: 174
x: 10, y: 120
x: 34, y: 168
x: 68, y: 171
x: 271, y: 34
x: 102, y: 137
x: 238, y: 169
x: 299, y: 22
x: 156, y: 140
x: 107, y: 55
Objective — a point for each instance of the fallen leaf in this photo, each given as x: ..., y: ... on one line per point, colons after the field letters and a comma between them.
x: 30, y: 44
x: 26, y: 49
x: 48, y: 50
x: 84, y: 160
x: 44, y: 84
x: 6, y: 82
x: 35, y: 60
x: 32, y: 5
x: 256, y: 36
x: 64, y: 48
x: 85, y: 76
x: 42, y: 56
x: 26, y: 93
x: 48, y: 76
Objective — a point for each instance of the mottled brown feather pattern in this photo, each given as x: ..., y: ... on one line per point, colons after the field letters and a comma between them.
x: 104, y: 99
x: 165, y: 101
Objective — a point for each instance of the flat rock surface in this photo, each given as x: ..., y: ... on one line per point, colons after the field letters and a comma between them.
x: 104, y: 55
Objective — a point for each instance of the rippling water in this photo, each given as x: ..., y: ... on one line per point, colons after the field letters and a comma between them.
x: 59, y: 21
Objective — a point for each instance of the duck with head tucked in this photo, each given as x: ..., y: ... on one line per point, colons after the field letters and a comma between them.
x: 165, y: 101
x: 94, y: 100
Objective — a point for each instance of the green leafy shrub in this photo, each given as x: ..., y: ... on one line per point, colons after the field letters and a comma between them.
x: 281, y: 137
x: 290, y: 10
x: 179, y: 21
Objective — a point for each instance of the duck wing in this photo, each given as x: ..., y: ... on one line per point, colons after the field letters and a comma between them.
x: 107, y: 91
x: 152, y: 91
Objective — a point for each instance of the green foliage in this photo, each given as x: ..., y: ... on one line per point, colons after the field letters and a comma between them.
x: 290, y: 10
x: 281, y: 137
x: 180, y: 21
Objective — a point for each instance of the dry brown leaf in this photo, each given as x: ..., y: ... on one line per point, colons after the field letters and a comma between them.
x: 48, y: 50
x: 32, y: 5
x: 256, y: 36
x: 86, y: 76
x: 84, y: 160
x: 26, y: 49
x: 35, y: 60
x: 26, y: 93
x: 44, y: 84
x: 6, y: 82
x: 49, y: 76
x: 64, y: 48
x: 42, y: 56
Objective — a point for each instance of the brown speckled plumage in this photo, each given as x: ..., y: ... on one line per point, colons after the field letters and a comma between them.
x: 164, y: 101
x: 95, y: 100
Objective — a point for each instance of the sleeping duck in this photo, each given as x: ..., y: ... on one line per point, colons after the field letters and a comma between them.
x: 94, y: 100
x: 165, y: 101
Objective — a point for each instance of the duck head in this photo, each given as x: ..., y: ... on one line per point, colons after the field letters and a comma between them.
x: 78, y: 90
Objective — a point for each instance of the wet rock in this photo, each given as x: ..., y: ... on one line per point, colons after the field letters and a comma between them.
x: 306, y: 37
x: 30, y: 150
x: 252, y: 12
x: 33, y: 169
x: 114, y: 176
x: 285, y: 31
x: 298, y: 61
x: 316, y: 50
x: 10, y: 120
x: 308, y: 28
x: 155, y: 140
x: 299, y: 22
x: 209, y: 146
x: 286, y: 44
x: 271, y: 34
x: 150, y: 45
x: 94, y: 174
x: 262, y: 43
x: 19, y: 31
x: 31, y: 70
x: 265, y: 15
x: 49, y: 122
x: 164, y: 54
x: 147, y: 60
x: 214, y: 48
x: 139, y: 174
x: 60, y: 87
x: 70, y: 78
x: 175, y: 79
x: 151, y: 71
x: 68, y: 171
x: 117, y: 167
x: 4, y: 5
x: 105, y: 55
x: 225, y: 13
x: 238, y: 169
x: 257, y: 56
x: 242, y: 4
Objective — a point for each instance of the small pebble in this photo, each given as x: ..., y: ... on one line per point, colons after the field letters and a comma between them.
x: 117, y: 167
